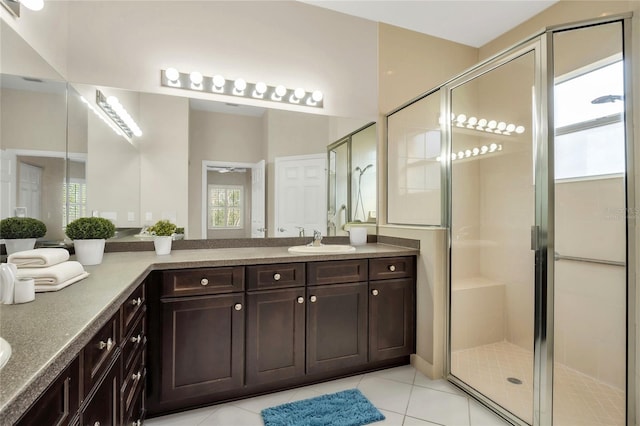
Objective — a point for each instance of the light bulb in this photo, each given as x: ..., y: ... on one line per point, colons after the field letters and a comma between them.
x: 493, y: 147
x: 482, y: 122
x: 172, y: 74
x: 511, y: 127
x: 281, y: 90
x: 240, y: 84
x: 261, y: 88
x: 33, y: 4
x: 196, y: 78
x: 317, y: 96
x: 467, y: 153
x: 299, y: 93
x: 520, y: 129
x: 492, y: 124
x: 484, y: 149
x: 218, y: 81
x: 472, y: 121
x: 476, y: 151
x: 454, y: 157
x: 502, y: 125
x: 461, y: 119
x: 112, y: 101
x: 460, y: 154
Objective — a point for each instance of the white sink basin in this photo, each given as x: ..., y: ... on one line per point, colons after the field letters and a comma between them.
x: 322, y: 249
x: 5, y: 352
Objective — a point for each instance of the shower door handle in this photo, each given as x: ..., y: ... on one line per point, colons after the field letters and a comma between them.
x: 535, y: 243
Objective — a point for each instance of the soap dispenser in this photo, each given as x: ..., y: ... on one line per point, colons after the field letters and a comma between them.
x: 8, y: 273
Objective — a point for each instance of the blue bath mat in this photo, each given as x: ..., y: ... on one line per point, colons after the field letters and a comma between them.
x: 346, y: 408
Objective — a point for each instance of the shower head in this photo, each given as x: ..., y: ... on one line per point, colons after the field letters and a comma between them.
x: 606, y: 99
x: 358, y: 169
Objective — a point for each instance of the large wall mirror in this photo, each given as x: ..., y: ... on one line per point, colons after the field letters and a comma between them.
x: 210, y: 167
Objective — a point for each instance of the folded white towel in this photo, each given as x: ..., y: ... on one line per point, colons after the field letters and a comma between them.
x: 53, y: 275
x: 49, y: 287
x: 38, y: 258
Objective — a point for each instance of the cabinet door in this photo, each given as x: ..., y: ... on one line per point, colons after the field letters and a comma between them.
x: 391, y: 319
x: 102, y: 407
x: 202, y: 345
x: 59, y: 403
x: 275, y: 335
x: 336, y: 326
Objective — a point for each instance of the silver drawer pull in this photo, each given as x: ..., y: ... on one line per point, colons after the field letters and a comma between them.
x: 204, y: 281
x: 313, y: 299
x: 136, y: 302
x: 107, y: 345
x: 136, y: 376
x: 300, y: 299
x: 374, y: 292
x: 237, y: 306
x: 137, y: 339
x: 277, y: 276
x: 392, y: 268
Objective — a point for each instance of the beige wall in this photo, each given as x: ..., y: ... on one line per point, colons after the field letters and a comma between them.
x: 409, y: 65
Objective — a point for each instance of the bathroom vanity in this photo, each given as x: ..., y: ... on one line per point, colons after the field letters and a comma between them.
x: 148, y: 334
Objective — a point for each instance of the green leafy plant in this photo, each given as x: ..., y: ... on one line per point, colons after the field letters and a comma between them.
x: 90, y: 228
x: 179, y: 230
x: 163, y: 228
x: 22, y: 227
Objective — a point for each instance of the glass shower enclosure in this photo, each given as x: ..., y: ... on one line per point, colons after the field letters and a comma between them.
x: 538, y: 157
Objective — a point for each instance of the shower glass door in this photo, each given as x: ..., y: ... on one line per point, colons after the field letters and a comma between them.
x: 590, y: 227
x: 492, y: 211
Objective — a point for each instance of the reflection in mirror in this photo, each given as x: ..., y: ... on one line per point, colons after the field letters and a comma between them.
x: 352, y: 193
x: 413, y: 150
x: 33, y: 150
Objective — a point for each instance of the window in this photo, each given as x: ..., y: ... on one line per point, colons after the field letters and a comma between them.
x: 74, y: 201
x: 590, y: 135
x: 225, y: 206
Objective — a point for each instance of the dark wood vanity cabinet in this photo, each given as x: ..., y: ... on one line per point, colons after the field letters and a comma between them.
x: 391, y: 307
x: 275, y: 337
x: 104, y: 384
x: 202, y: 335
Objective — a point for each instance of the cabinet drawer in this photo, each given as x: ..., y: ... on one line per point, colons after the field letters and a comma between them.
x: 134, y: 342
x: 391, y: 267
x: 135, y: 415
x: 203, y: 281
x: 132, y: 307
x: 275, y: 276
x: 339, y: 271
x: 132, y: 382
x: 98, y: 353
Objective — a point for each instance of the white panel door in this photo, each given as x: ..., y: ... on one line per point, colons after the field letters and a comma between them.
x: 258, y: 229
x: 30, y: 189
x: 300, y: 195
x: 7, y: 184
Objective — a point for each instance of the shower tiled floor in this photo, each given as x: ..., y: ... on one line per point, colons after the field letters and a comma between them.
x: 578, y: 399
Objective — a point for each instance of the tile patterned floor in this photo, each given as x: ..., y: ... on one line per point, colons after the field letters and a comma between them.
x: 405, y: 396
x: 578, y: 399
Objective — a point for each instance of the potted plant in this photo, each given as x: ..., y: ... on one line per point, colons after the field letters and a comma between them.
x: 179, y: 234
x: 89, y: 235
x: 162, y: 232
x: 20, y: 233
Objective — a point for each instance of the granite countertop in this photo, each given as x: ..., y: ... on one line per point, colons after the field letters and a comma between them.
x: 46, y: 334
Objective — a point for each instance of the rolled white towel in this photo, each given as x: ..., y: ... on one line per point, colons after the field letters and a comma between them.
x: 38, y: 258
x: 53, y: 275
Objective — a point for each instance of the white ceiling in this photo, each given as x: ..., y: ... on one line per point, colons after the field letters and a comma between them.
x: 470, y: 22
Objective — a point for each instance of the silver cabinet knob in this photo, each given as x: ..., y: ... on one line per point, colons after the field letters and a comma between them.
x: 277, y: 276
x: 137, y: 423
x: 301, y: 299
x: 281, y: 229
x: 392, y: 268
x: 136, y: 302
x: 136, y: 339
x: 374, y: 292
x: 108, y: 345
x: 237, y: 306
x: 96, y: 424
x: 136, y: 376
x: 204, y: 281
x: 313, y: 299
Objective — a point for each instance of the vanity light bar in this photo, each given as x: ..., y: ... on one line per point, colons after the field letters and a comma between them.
x: 114, y: 109
x: 171, y: 77
x: 484, y: 125
x: 475, y: 152
x: 115, y: 128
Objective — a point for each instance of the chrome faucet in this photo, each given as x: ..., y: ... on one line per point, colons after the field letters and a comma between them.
x: 317, y: 238
x: 300, y: 231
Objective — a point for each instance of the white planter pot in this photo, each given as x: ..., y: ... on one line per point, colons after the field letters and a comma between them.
x: 162, y: 245
x: 89, y: 252
x: 19, y: 244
